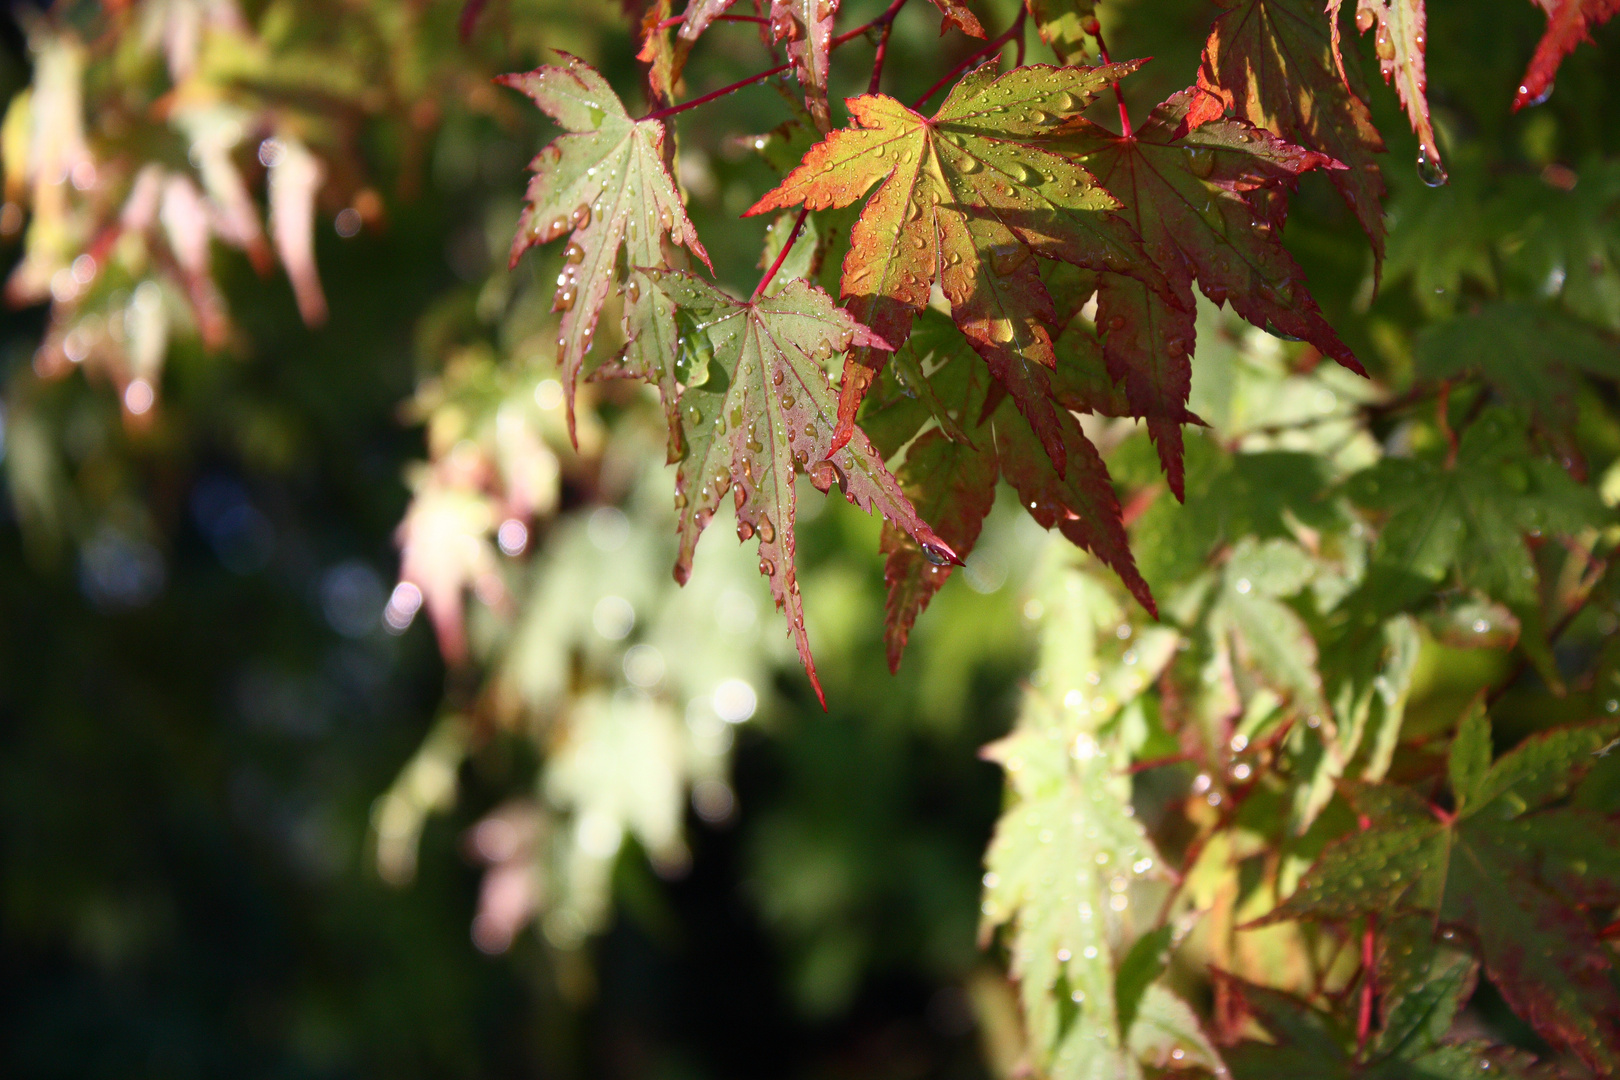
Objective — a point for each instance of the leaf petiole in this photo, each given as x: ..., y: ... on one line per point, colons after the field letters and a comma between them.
x: 883, y: 20
x: 781, y: 257
x: 990, y: 47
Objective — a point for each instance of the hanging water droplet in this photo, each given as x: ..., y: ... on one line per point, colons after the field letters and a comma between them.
x: 581, y: 217
x: 666, y: 218
x: 1383, y: 43
x: 680, y: 500
x: 564, y: 300
x: 744, y: 529
x: 767, y: 567
x: 1429, y: 170
x: 939, y: 553
x: 632, y: 290
x: 1527, y: 102
x: 767, y: 531
x: 573, y: 254
x: 825, y: 474
x: 1364, y: 20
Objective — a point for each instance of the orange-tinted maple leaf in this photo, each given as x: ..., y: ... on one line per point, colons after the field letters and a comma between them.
x: 1569, y: 22
x: 1186, y: 186
x: 1272, y: 62
x: 965, y: 198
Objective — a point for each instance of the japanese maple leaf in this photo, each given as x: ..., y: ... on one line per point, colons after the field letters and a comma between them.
x: 1468, y: 521
x: 1400, y: 41
x: 605, y: 186
x: 1063, y: 25
x: 952, y: 480
x: 757, y: 410
x: 1307, y: 1044
x: 1273, y: 64
x: 1569, y: 22
x: 964, y: 198
x: 1186, y: 178
x: 1509, y: 867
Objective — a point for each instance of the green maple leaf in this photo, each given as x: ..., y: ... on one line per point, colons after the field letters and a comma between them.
x: 1400, y: 40
x: 1510, y: 868
x: 1311, y: 1045
x: 1469, y: 522
x: 604, y: 186
x: 1063, y: 24
x: 1186, y: 179
x: 757, y: 410
x: 952, y: 480
x: 965, y: 198
x: 1528, y: 353
x: 1273, y: 64
x: 1063, y: 841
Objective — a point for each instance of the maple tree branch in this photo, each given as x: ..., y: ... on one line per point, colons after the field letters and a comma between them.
x: 1094, y: 28
x: 782, y: 255
x: 671, y: 110
x: 992, y: 46
x: 883, y: 20
x: 877, y: 61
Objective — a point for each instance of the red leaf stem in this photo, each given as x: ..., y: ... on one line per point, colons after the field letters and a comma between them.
x: 990, y: 48
x: 781, y: 256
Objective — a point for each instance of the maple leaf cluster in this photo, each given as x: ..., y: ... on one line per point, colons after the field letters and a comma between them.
x: 972, y: 209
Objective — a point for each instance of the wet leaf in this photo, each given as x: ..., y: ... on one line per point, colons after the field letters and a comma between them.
x: 762, y: 413
x: 1273, y: 64
x: 1187, y: 179
x: 1511, y: 868
x: 604, y: 186
x: 965, y: 198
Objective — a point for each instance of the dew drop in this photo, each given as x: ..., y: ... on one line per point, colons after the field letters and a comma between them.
x: 632, y: 290
x: 744, y: 530
x: 1200, y: 160
x: 1364, y: 20
x: 970, y: 165
x: 680, y: 500
x: 825, y: 473
x: 767, y: 567
x: 1001, y: 330
x: 573, y: 254
x: 1117, y: 322
x: 666, y: 218
x: 1430, y: 171
x: 1066, y: 102
x: 564, y: 300
x: 581, y: 217
x: 1005, y: 258
x: 1383, y: 43
x: 938, y: 553
x: 767, y: 531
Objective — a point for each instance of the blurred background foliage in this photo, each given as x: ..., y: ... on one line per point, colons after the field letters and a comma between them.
x: 253, y: 825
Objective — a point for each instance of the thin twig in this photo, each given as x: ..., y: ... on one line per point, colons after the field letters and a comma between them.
x: 990, y: 47
x: 781, y: 256
x: 882, y: 20
x: 877, y: 61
